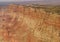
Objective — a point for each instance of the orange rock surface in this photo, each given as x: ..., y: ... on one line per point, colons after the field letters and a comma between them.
x: 24, y: 24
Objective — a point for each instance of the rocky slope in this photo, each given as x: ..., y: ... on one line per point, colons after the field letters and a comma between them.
x: 28, y: 24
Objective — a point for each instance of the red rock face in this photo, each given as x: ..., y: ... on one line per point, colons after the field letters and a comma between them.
x: 19, y: 25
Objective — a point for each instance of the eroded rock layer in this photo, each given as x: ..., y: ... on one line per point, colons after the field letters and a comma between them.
x: 26, y: 24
